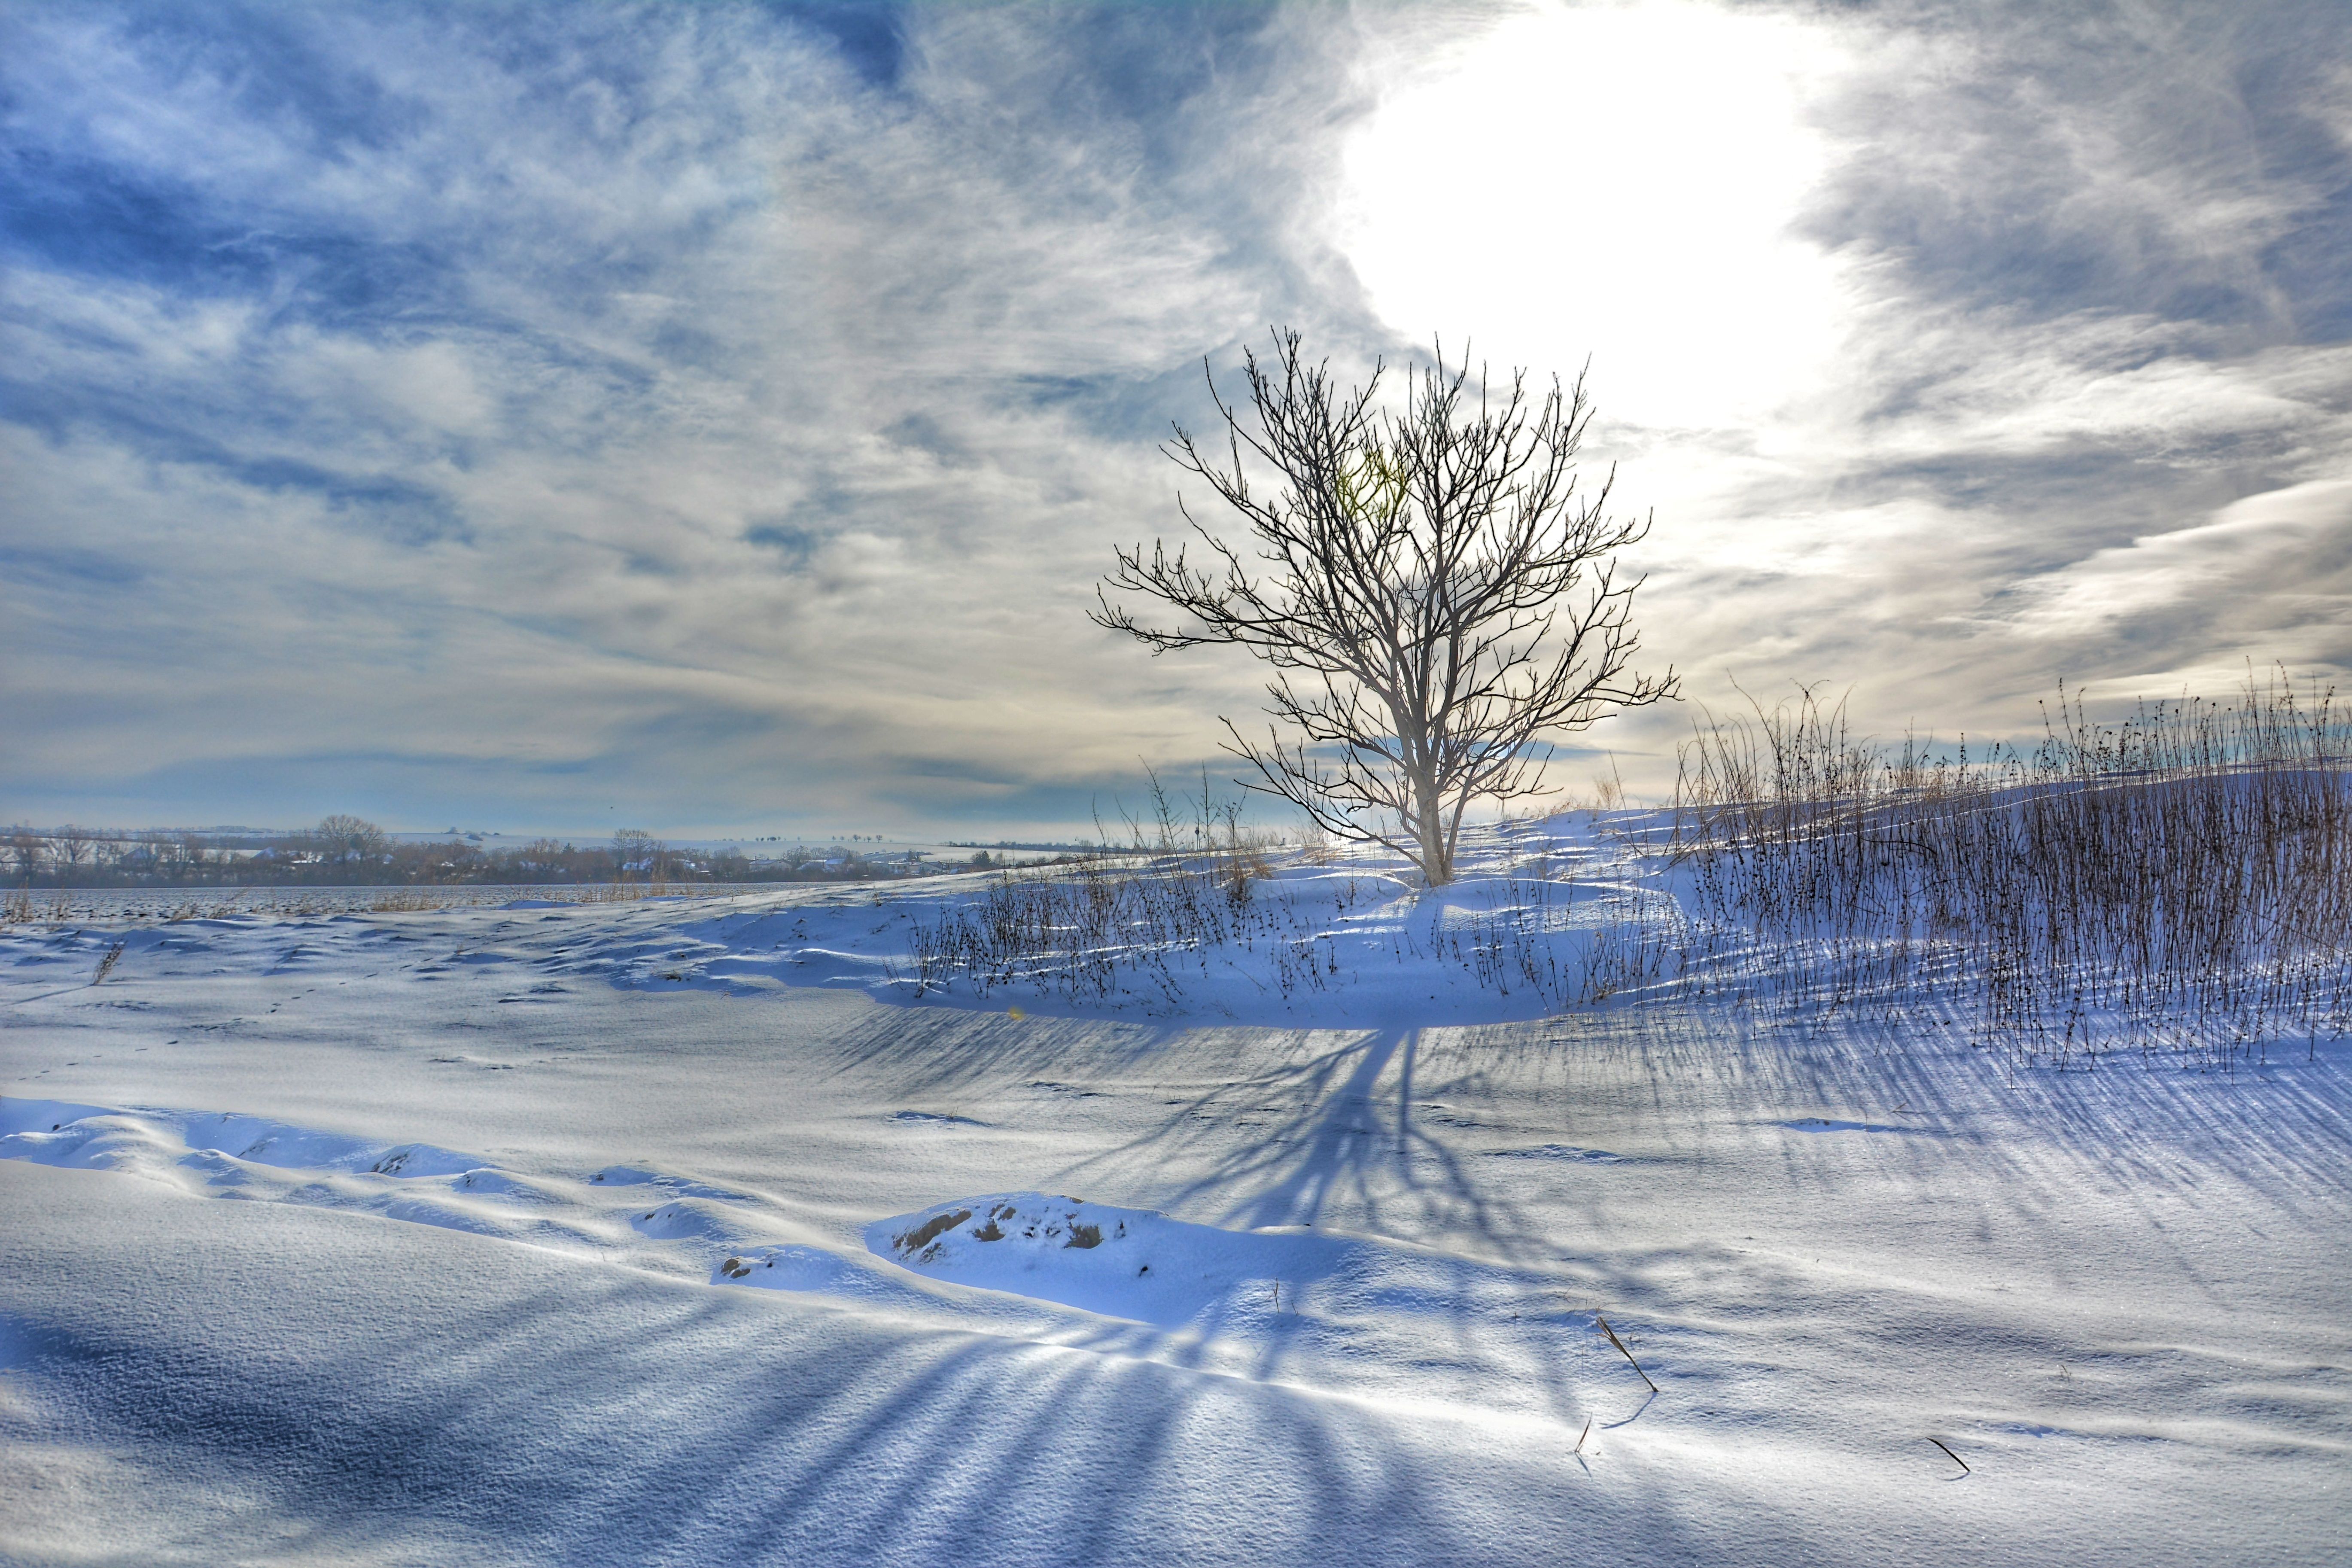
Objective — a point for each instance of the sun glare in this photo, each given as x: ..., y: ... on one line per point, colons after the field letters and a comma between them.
x: 1617, y: 182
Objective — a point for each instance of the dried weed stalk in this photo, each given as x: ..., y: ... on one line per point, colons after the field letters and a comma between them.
x: 2180, y: 879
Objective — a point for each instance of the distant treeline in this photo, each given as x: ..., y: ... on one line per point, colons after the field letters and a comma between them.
x: 345, y: 851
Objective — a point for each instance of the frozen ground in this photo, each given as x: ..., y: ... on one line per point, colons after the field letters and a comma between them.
x: 687, y: 1232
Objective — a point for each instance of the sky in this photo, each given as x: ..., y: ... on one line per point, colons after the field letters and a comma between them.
x: 715, y: 418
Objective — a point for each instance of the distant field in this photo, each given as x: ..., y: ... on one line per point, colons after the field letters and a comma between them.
x: 67, y: 904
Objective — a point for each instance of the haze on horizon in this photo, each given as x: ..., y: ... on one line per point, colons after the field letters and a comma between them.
x: 716, y: 418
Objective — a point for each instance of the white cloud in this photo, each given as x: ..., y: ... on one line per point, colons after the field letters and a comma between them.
x: 2273, y: 566
x: 607, y: 457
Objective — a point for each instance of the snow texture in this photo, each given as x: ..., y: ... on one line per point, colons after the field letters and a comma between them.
x: 722, y: 1239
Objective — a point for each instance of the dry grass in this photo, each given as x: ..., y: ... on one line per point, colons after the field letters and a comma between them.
x: 1132, y: 922
x: 1118, y: 928
x: 2181, y: 877
x: 1623, y: 1351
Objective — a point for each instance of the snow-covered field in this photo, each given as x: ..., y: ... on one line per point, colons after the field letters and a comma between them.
x: 722, y: 1236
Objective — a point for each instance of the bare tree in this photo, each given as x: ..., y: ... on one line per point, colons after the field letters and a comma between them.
x: 25, y: 849
x: 634, y: 849
x: 73, y: 846
x: 1435, y: 599
x: 346, y: 838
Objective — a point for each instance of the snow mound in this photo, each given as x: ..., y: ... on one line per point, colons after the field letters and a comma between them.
x: 1120, y: 1262
x: 43, y: 1115
x: 223, y: 1155
x: 629, y: 1214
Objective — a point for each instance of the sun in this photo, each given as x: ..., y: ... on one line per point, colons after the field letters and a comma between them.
x: 1622, y: 181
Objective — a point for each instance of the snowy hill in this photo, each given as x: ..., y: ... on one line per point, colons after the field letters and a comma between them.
x: 692, y: 1230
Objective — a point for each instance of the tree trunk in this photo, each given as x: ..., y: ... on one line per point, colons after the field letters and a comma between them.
x: 1436, y: 865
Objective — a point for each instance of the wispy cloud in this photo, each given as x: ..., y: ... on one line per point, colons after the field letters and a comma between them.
x: 650, y: 392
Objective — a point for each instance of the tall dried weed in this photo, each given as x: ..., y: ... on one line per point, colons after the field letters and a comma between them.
x: 2181, y: 877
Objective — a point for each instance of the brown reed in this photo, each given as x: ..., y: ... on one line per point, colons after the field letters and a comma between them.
x: 2180, y: 877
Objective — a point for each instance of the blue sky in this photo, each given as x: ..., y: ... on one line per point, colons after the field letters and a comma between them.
x: 714, y: 418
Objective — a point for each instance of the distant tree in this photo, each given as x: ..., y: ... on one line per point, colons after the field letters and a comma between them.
x: 24, y: 851
x: 1435, y: 599
x: 73, y: 846
x: 346, y: 838
x: 634, y: 849
x: 543, y: 855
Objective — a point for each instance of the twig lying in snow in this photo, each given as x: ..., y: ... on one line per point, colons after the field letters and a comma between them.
x: 1623, y: 1351
x: 1955, y: 1458
x: 1581, y: 1437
